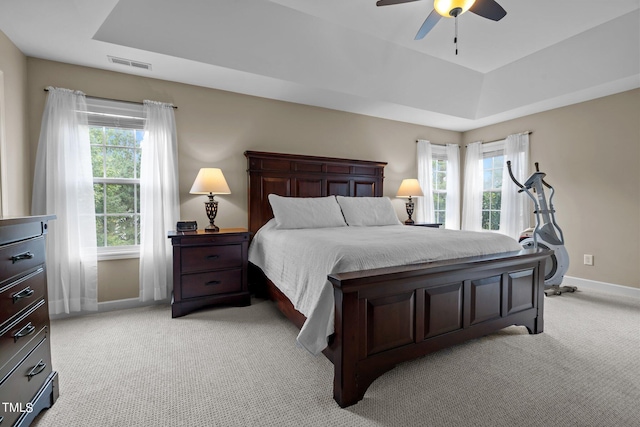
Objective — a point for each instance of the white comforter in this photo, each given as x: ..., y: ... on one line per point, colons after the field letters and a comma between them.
x: 298, y: 261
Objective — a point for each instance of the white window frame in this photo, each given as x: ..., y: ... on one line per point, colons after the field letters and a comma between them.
x: 492, y: 149
x: 438, y: 153
x: 118, y: 115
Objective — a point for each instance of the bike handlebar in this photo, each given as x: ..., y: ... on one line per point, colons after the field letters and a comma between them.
x: 513, y: 178
x: 538, y: 170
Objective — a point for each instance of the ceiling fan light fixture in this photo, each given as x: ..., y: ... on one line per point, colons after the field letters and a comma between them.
x: 452, y: 8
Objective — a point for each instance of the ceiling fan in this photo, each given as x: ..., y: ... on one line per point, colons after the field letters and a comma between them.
x: 489, y: 9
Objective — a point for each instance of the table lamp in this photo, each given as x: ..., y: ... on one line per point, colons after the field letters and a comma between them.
x: 409, y: 188
x: 210, y: 181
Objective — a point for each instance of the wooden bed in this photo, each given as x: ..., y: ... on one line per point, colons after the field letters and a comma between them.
x: 390, y: 315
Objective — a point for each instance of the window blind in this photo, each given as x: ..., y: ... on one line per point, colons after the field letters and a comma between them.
x: 111, y: 113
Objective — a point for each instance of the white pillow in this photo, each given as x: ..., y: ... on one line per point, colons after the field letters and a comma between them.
x: 306, y: 212
x: 367, y: 211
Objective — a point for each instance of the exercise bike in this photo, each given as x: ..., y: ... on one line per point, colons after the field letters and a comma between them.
x: 546, y: 234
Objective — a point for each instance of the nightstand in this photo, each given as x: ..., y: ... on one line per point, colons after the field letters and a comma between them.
x: 209, y: 268
x: 426, y: 224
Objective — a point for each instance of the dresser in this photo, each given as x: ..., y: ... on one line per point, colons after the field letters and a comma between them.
x: 209, y: 268
x: 28, y: 383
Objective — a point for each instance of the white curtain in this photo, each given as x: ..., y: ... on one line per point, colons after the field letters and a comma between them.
x: 452, y: 220
x: 424, y: 211
x: 63, y: 186
x: 472, y: 199
x: 515, y: 207
x: 159, y: 200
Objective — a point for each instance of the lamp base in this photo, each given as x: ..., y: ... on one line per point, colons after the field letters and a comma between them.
x: 212, y: 210
x: 410, y: 206
x: 212, y: 228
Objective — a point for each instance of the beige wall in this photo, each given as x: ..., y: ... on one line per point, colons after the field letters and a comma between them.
x: 118, y: 279
x: 216, y: 127
x: 15, y: 190
x: 591, y: 155
x: 598, y: 196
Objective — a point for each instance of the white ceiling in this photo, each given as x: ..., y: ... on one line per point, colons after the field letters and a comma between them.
x: 351, y: 55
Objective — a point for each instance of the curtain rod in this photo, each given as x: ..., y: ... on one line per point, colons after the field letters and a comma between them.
x: 526, y: 132
x: 111, y: 99
x: 441, y: 145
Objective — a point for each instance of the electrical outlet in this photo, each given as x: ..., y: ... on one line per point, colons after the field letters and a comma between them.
x: 588, y: 259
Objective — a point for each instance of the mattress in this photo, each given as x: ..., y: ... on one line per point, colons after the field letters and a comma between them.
x: 298, y: 261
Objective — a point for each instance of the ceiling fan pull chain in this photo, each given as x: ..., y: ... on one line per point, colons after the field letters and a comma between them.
x: 455, y: 39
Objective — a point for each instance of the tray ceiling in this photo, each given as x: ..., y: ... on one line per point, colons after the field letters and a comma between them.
x: 352, y: 55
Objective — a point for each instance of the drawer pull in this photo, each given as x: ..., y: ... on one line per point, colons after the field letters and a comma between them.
x: 41, y: 366
x: 213, y: 282
x: 26, y: 255
x: 25, y: 293
x: 27, y: 329
x: 213, y: 256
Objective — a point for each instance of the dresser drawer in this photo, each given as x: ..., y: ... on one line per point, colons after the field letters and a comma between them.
x: 20, y: 257
x: 17, y: 295
x: 24, y: 382
x: 13, y: 231
x: 204, y: 258
x: 21, y: 332
x: 211, y: 283
x: 17, y: 358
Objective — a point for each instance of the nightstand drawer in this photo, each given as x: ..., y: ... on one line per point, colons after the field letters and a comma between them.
x: 19, y: 257
x: 211, y: 283
x: 20, y: 293
x: 205, y: 258
x: 20, y: 332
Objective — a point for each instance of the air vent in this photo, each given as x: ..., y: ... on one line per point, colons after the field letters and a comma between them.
x: 129, y: 62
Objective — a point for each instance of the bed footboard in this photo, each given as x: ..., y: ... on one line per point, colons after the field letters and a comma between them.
x: 387, y: 316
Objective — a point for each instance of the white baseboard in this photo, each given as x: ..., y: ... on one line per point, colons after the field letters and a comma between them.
x: 608, y: 288
x: 121, y: 304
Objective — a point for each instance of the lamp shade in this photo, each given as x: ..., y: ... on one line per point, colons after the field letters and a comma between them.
x: 210, y: 181
x: 409, y: 188
x: 444, y: 7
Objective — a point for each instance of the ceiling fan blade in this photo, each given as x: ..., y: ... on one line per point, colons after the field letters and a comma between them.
x: 428, y: 24
x: 489, y: 9
x: 390, y: 2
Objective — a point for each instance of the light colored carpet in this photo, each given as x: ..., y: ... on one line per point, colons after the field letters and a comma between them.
x: 240, y: 367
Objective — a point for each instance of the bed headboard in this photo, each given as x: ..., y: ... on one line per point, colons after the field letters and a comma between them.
x: 294, y: 175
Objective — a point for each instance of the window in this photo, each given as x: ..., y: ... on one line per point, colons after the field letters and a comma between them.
x: 115, y: 157
x: 491, y: 201
x: 492, y: 166
x: 439, y: 180
x: 116, y: 130
x: 439, y: 176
